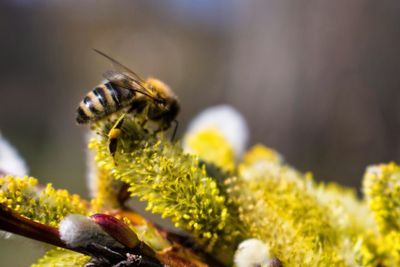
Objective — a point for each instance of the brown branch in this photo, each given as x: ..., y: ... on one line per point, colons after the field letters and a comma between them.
x: 184, y: 249
x: 174, y: 256
x: 17, y: 224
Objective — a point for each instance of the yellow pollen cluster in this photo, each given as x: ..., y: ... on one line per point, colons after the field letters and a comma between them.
x: 210, y: 145
x: 45, y: 205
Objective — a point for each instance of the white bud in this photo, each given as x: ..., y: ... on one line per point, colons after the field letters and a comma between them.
x: 225, y: 119
x: 10, y: 161
x: 252, y: 252
x: 80, y: 231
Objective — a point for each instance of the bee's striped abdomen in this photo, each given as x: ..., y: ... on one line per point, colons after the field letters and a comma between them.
x: 114, y: 94
x: 100, y: 94
x: 102, y: 101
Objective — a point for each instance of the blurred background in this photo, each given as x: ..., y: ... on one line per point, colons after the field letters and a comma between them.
x: 316, y: 80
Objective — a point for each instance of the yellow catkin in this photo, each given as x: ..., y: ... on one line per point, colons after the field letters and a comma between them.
x: 47, y: 205
x: 381, y: 187
x: 174, y: 184
x: 211, y: 146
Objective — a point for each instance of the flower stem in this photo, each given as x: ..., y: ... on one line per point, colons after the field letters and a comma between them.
x: 17, y: 224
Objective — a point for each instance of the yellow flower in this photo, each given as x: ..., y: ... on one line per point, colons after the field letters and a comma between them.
x: 211, y: 146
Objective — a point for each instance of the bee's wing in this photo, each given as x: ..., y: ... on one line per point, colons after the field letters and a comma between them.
x: 121, y: 79
x: 127, y: 78
x: 121, y: 68
x: 124, y: 80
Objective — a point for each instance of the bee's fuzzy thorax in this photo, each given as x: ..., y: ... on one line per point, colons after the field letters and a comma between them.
x: 160, y: 87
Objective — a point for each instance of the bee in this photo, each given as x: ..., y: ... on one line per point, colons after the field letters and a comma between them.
x: 124, y: 89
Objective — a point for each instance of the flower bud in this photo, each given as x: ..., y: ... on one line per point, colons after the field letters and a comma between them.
x: 253, y: 252
x: 224, y: 119
x: 80, y: 231
x: 116, y: 229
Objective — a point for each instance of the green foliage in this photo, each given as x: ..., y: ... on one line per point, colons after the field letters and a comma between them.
x: 62, y: 258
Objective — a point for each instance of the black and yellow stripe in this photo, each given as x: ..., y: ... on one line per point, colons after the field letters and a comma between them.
x: 114, y: 94
x: 103, y: 100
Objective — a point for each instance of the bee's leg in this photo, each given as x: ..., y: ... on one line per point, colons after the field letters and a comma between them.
x: 114, y: 134
x: 165, y: 127
x: 133, y: 260
x: 143, y: 123
x: 175, y: 130
x: 103, y: 255
x: 139, y: 108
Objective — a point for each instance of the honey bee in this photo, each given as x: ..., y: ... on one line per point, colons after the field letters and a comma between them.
x: 122, y: 89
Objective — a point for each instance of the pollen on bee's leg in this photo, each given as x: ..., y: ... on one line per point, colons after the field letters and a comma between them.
x: 114, y: 133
